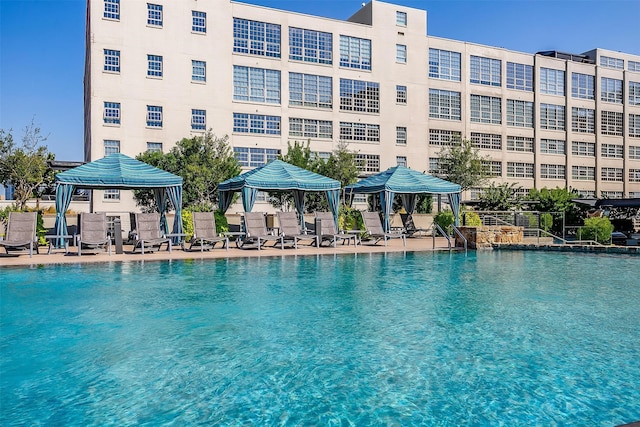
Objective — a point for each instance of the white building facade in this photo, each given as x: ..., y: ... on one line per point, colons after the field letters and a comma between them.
x: 159, y: 72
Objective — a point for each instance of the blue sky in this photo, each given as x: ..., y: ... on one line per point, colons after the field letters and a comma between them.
x: 42, y: 46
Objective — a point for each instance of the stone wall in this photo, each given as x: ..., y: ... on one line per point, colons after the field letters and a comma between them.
x: 486, y: 236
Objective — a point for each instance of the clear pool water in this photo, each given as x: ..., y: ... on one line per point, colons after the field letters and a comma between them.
x: 493, y: 338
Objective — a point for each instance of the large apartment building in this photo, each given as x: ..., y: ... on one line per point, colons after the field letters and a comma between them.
x: 159, y: 71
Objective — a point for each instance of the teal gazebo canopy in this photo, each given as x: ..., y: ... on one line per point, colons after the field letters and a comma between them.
x: 408, y: 183
x: 279, y: 176
x: 117, y: 171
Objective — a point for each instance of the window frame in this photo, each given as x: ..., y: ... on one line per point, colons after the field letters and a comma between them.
x: 155, y: 14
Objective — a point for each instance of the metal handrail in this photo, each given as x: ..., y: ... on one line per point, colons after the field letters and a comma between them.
x: 436, y: 228
x: 455, y: 229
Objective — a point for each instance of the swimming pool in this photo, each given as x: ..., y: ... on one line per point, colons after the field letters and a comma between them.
x: 492, y: 338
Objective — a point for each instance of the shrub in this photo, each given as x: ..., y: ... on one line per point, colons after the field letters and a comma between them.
x: 472, y: 219
x: 187, y: 225
x: 222, y: 225
x: 546, y: 221
x: 445, y: 220
x: 598, y: 229
x: 350, y: 219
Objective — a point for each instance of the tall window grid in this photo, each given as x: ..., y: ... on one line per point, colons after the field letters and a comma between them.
x: 634, y: 93
x: 614, y: 151
x: 112, y: 60
x: 198, y: 119
x: 634, y: 125
x: 111, y: 113
x: 486, y: 141
x: 634, y: 152
x: 368, y: 163
x: 582, y: 120
x: 358, y: 95
x: 444, y: 104
x: 355, y: 52
x: 611, y: 194
x: 611, y: 123
x: 111, y: 194
x: 198, y: 71
x: 310, y: 128
x: 586, y: 194
x: 401, y: 161
x: 435, y: 166
x: 519, y: 76
x: 486, y: 109
x: 154, y: 147
x: 519, y: 113
x: 310, y: 46
x: 309, y: 90
x: 198, y: 21
x: 444, y: 137
x: 485, y: 71
x: 154, y: 116
x: 550, y: 171
x: 520, y: 143
x: 552, y: 146
x: 254, y: 157
x: 359, y: 132
x: 607, y: 61
x: 256, y: 85
x: 111, y: 146
x: 583, y: 173
x: 401, y: 94
x: 519, y: 170
x: 401, y: 19
x: 112, y: 9
x: 552, y: 81
x: 401, y: 135
x: 633, y: 65
x: 401, y: 53
x: 583, y: 148
x: 611, y: 174
x: 634, y: 175
x: 552, y: 117
x: 154, y: 66
x: 444, y: 64
x: 256, y: 38
x: 492, y: 167
x: 154, y: 14
x: 583, y: 86
x: 256, y: 124
x: 611, y: 90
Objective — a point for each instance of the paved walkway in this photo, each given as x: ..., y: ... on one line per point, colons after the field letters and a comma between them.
x: 59, y: 257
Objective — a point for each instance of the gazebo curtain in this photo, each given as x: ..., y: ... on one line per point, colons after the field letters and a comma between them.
x: 175, y: 197
x: 226, y: 197
x: 454, y: 200
x: 63, y: 200
x: 333, y: 197
x: 386, y: 202
x: 409, y: 202
x: 161, y: 200
x: 248, y: 198
x: 298, y: 200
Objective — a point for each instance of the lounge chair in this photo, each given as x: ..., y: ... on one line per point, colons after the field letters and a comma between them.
x: 256, y: 234
x: 326, y: 230
x: 410, y: 227
x: 93, y: 236
x: 374, y: 229
x: 148, y: 235
x: 204, y: 232
x: 290, y: 229
x: 21, y: 233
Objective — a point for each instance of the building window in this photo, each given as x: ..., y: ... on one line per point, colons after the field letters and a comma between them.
x: 486, y: 141
x: 582, y: 120
x: 611, y: 174
x: 444, y: 104
x: 401, y: 19
x: 309, y: 90
x: 255, y: 157
x: 552, y: 171
x: 310, y: 46
x: 401, y: 135
x: 519, y: 76
x: 256, y: 38
x: 634, y: 125
x: 583, y: 173
x: 110, y: 194
x: 112, y: 9
x: 310, y: 128
x: 401, y: 94
x: 486, y: 109
x: 585, y: 149
x: 634, y: 152
x: 444, y: 137
x: 368, y: 163
x: 552, y: 117
x: 634, y: 65
x: 612, y: 150
x: 154, y: 66
x: 611, y: 194
x: 401, y: 161
x: 582, y: 86
x: 552, y: 146
x: 111, y: 146
x: 634, y: 93
x: 519, y: 113
x: 444, y: 65
x: 492, y: 167
x: 485, y: 71
x: 112, y: 113
x: 256, y: 124
x: 355, y: 53
x: 519, y: 170
x: 359, y: 132
x: 154, y: 147
x: 634, y: 175
x: 154, y: 14
x: 607, y: 61
x: 357, y: 95
x: 611, y: 123
x: 611, y: 90
x: 586, y: 194
x: 154, y: 116
x: 520, y: 143
x: 198, y: 71
x: 112, y: 60
x: 435, y: 166
x: 321, y: 155
x: 256, y: 85
x: 552, y: 81
x: 401, y: 53
x: 198, y: 119
x: 198, y: 21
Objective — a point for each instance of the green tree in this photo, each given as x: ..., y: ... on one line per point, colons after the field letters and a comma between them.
x: 557, y: 200
x: 597, y: 228
x: 501, y: 197
x: 342, y: 165
x: 203, y: 162
x: 25, y: 166
x: 462, y: 164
